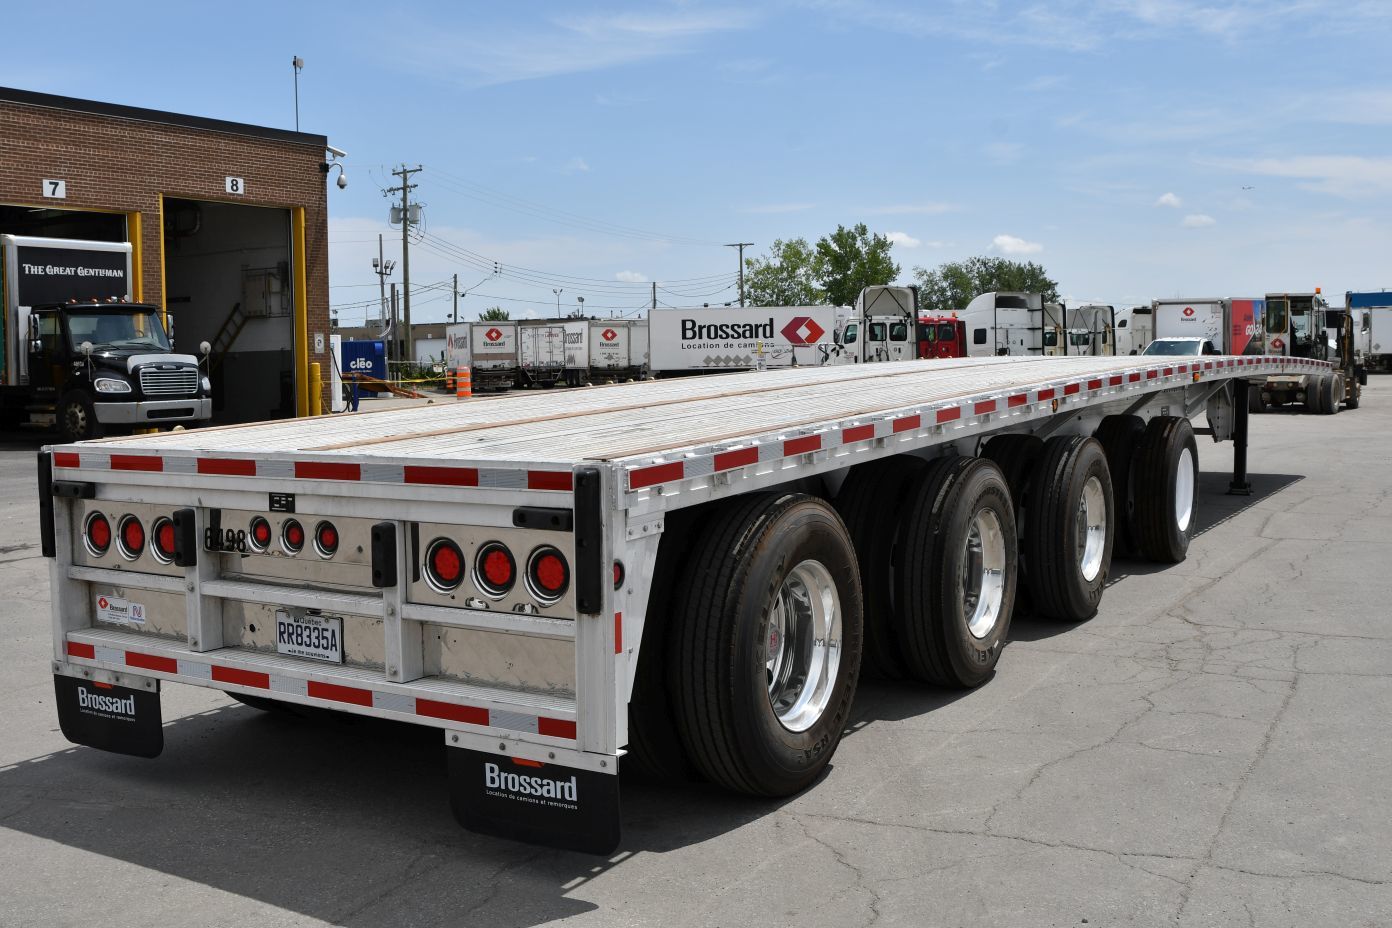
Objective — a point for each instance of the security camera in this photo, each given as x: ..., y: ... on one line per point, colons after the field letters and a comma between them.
x: 336, y: 152
x: 342, y: 181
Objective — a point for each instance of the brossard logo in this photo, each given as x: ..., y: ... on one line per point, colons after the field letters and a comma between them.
x: 99, y: 703
x: 800, y: 330
x: 494, y: 778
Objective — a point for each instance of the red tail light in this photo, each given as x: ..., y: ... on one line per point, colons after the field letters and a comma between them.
x: 162, y: 547
x: 325, y: 539
x: 495, y: 570
x: 98, y: 532
x: 548, y: 574
x: 618, y: 574
x: 292, y: 536
x: 444, y: 565
x: 260, y: 534
x: 132, y: 537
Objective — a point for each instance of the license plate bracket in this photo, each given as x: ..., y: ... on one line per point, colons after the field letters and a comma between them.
x: 310, y: 635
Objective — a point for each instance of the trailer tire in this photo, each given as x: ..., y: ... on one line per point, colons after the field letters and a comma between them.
x: 1314, y: 396
x: 1015, y: 454
x: 1336, y: 393
x: 955, y: 571
x: 77, y: 418
x: 1119, y: 436
x: 1071, y: 482
x: 869, y: 502
x: 1356, y: 397
x: 1167, y: 464
x: 767, y: 562
x: 1255, y: 403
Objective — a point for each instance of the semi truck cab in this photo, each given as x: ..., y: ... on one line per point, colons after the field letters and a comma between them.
x: 98, y: 366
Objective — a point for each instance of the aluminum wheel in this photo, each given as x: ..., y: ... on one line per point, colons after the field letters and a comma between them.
x: 983, y: 574
x: 1184, y: 490
x: 802, y: 652
x: 1092, y: 528
x: 75, y: 420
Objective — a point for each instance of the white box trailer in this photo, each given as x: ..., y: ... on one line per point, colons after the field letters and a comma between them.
x: 1373, y: 331
x: 685, y: 341
x: 605, y: 351
x: 495, y: 353
x: 542, y: 358
x: 682, y: 572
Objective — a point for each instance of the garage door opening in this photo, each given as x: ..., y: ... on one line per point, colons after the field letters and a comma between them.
x: 227, y: 281
x: 63, y: 223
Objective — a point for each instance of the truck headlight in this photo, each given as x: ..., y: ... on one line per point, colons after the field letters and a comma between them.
x: 111, y: 385
x: 207, y: 385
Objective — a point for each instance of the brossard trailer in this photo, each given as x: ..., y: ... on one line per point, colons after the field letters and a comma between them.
x: 684, y: 574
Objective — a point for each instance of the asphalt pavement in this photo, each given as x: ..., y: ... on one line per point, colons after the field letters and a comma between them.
x: 1212, y: 749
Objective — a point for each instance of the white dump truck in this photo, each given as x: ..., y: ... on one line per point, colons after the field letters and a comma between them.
x: 684, y: 575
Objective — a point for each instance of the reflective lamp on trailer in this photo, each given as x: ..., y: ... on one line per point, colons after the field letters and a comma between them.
x: 131, y: 538
x: 495, y: 570
x: 444, y: 565
x: 292, y: 536
x: 97, y: 534
x: 618, y: 575
x: 260, y: 534
x: 162, y: 540
x: 548, y: 574
x: 325, y: 539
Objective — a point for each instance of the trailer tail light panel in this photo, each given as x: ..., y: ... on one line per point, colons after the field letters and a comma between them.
x: 515, y: 570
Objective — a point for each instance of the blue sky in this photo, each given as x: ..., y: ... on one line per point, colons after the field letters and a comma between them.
x: 1136, y: 148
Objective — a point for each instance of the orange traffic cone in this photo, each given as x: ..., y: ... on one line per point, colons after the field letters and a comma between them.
x: 449, y: 380
x: 464, y: 384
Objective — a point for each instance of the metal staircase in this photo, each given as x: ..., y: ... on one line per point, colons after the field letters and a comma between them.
x: 227, y: 334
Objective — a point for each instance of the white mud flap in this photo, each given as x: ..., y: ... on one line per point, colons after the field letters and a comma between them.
x: 525, y: 800
x: 110, y: 717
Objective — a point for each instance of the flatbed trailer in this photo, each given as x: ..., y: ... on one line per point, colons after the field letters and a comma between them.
x: 684, y: 574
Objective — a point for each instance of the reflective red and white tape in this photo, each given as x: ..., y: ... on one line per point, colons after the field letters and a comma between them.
x: 397, y: 700
x: 956, y: 413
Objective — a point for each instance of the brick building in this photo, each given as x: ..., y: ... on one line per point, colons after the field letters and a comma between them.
x: 228, y: 223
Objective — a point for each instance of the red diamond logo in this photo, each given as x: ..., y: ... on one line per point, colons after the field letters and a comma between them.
x: 802, y: 330
x: 102, y: 603
x: 1277, y: 344
x: 1188, y: 310
x: 493, y: 334
x: 608, y: 335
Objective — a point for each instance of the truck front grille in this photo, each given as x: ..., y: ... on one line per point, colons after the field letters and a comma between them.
x: 183, y: 382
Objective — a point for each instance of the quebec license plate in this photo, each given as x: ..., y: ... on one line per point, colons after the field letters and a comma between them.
x: 318, y: 637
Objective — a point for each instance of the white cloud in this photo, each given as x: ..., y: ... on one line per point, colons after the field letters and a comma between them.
x: 630, y: 277
x: 904, y: 239
x: 1013, y: 245
x: 1168, y: 199
x: 774, y: 208
x: 1341, y: 175
x: 594, y: 42
x: 576, y: 165
x: 904, y: 209
x: 1198, y: 221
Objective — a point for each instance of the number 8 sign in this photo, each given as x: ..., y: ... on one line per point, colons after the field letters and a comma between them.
x: 236, y: 185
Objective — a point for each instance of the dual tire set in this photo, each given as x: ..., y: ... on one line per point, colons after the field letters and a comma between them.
x: 914, y: 570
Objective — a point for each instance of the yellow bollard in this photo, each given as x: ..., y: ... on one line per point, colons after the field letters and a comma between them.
x: 316, y: 390
x: 464, y: 384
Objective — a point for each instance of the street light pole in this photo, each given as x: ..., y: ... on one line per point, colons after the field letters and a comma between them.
x: 558, y: 291
x: 581, y: 301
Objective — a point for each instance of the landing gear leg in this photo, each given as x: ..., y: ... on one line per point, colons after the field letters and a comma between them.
x: 1239, y: 485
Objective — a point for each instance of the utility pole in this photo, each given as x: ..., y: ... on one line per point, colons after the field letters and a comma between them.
x: 456, y: 299
x: 558, y: 291
x: 654, y: 301
x: 741, y: 246
x: 395, y: 329
x: 405, y: 190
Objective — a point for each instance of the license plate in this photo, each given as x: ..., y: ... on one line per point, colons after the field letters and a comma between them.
x: 318, y: 637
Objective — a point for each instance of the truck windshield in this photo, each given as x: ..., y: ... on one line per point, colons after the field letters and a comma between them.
x: 1175, y: 348
x: 116, y: 328
x: 1276, y: 321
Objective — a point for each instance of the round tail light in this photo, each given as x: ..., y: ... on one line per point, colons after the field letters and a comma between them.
x: 131, y: 538
x: 548, y: 574
x: 444, y: 565
x: 260, y: 534
x: 98, y: 534
x: 325, y: 539
x: 495, y: 570
x: 162, y: 540
x: 292, y: 536
x: 618, y: 575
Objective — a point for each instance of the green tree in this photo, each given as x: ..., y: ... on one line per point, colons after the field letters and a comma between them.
x: 952, y: 285
x: 849, y: 260
x: 494, y: 314
x: 786, y: 276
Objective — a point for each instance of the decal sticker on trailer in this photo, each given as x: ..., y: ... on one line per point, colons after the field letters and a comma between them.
x: 109, y: 717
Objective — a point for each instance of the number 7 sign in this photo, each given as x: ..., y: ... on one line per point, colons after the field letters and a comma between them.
x: 55, y: 189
